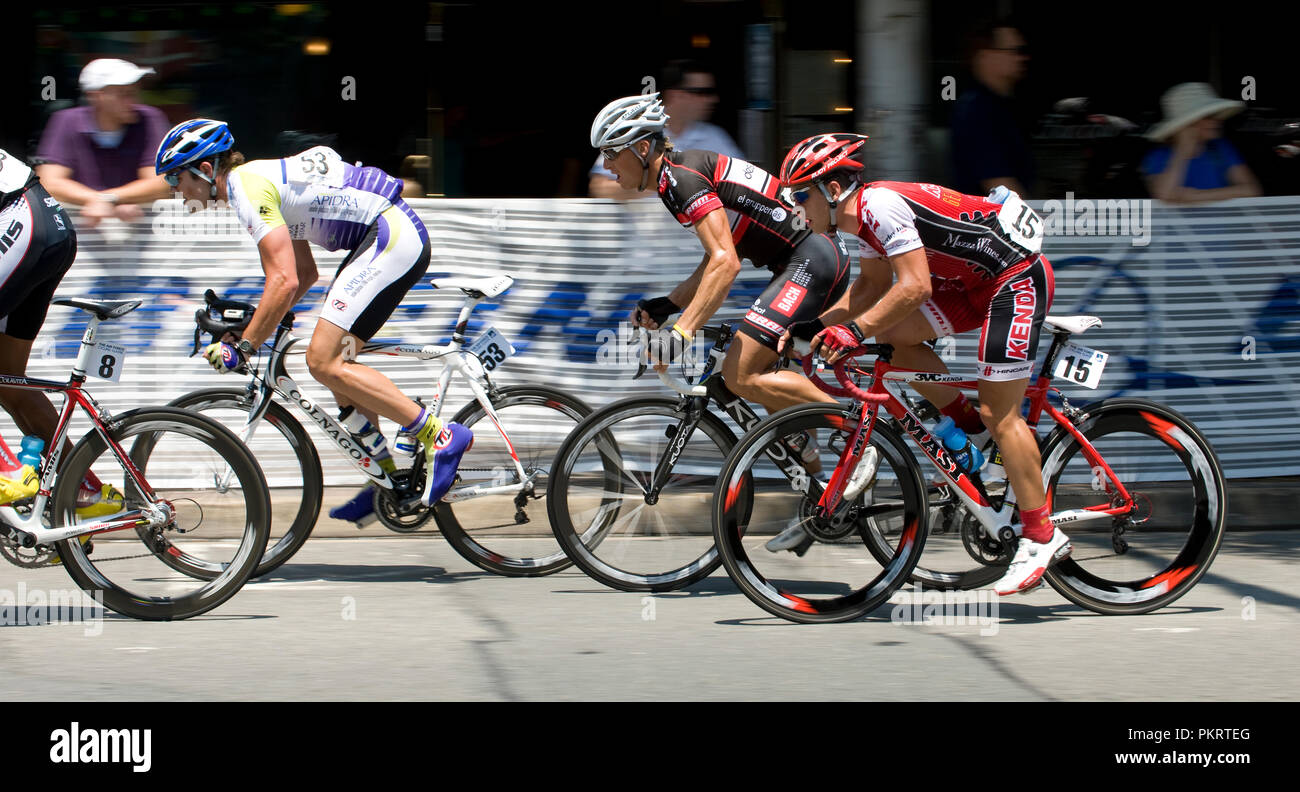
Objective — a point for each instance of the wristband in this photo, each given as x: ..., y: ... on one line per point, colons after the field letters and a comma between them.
x: 688, y: 336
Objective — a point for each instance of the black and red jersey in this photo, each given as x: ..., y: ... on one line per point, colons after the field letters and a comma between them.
x: 964, y: 239
x: 693, y: 183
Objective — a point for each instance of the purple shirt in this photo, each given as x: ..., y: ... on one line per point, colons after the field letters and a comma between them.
x: 67, y: 141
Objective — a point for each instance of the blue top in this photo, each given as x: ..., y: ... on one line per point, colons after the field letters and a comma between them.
x: 1207, y: 171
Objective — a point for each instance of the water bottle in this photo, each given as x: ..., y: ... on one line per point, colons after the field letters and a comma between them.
x: 1000, y: 194
x: 368, y: 436
x: 30, y: 454
x: 964, y: 453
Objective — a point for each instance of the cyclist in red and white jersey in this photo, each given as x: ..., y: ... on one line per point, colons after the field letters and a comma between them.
x: 938, y: 262
x: 700, y: 188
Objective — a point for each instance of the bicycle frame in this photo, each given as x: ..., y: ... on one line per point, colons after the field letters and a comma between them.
x: 275, y: 380
x: 31, y: 531
x: 887, y: 389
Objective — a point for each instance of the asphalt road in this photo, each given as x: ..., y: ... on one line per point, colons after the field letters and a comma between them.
x: 377, y: 617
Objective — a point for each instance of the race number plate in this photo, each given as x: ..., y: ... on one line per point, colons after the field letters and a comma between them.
x: 1080, y: 365
x: 492, y: 348
x: 1022, y: 225
x: 107, y: 362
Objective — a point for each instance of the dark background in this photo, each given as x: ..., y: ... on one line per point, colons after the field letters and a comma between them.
x: 513, y: 87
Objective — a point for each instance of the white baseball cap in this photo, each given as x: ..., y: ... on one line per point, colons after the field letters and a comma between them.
x: 102, y: 72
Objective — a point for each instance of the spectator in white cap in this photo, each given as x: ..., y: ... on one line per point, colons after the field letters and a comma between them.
x: 1196, y: 164
x: 100, y: 156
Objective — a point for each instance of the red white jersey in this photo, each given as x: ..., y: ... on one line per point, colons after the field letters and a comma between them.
x: 965, y: 239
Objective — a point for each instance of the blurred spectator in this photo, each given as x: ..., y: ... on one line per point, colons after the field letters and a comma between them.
x: 690, y: 93
x: 988, y: 146
x: 100, y: 156
x: 410, y: 175
x: 1198, y: 165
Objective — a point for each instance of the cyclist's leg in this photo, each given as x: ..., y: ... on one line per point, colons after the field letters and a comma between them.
x: 367, y: 289
x: 1007, y: 351
x: 815, y: 278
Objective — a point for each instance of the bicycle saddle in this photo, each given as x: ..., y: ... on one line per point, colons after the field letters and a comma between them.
x: 476, y: 287
x: 1072, y: 324
x: 102, y: 309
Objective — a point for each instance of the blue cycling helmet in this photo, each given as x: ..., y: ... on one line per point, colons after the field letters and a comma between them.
x: 191, y: 141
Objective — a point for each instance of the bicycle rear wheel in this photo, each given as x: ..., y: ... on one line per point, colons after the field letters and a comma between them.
x: 500, y: 532
x: 288, y: 457
x: 830, y: 575
x: 601, y: 509
x: 1144, y: 562
x: 216, y: 523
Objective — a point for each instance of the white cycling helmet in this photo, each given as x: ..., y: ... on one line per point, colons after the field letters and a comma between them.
x: 626, y: 121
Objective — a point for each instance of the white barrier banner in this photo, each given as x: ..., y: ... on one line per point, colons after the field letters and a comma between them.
x: 1201, y: 305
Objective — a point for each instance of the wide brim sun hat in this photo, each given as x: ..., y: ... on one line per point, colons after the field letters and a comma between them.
x: 1188, y: 103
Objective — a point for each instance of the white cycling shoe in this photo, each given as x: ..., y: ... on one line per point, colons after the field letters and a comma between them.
x: 1030, y: 562
x: 793, y: 536
x: 864, y: 475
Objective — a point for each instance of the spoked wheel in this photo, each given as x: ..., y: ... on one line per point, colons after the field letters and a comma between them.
x: 288, y: 458
x: 201, y: 537
x: 506, y: 531
x: 604, y: 512
x: 793, y: 561
x: 1153, y: 555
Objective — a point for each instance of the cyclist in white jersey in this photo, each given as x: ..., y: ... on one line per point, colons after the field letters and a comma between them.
x: 316, y: 197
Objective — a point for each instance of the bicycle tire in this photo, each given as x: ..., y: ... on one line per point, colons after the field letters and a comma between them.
x: 248, y: 503
x: 1132, y: 582
x: 306, y: 511
x: 765, y: 576
x: 496, y: 528
x: 608, y: 555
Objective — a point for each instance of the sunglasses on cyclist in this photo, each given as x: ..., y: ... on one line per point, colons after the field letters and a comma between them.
x: 173, y: 178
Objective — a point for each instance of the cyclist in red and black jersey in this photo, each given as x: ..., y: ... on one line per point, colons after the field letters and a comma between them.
x: 810, y: 270
x: 937, y: 262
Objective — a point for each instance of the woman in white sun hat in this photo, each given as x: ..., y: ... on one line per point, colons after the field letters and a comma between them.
x: 1196, y: 164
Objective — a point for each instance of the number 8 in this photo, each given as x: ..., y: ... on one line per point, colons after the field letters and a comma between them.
x: 106, y: 366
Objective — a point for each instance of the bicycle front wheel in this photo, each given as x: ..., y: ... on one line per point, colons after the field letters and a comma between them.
x: 794, y: 562
x: 288, y: 458
x: 1153, y: 556
x: 603, y: 507
x: 214, y: 515
x: 499, y: 530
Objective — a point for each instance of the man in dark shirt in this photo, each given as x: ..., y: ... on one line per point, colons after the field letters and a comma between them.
x: 700, y: 188
x: 988, y: 146
x: 100, y: 156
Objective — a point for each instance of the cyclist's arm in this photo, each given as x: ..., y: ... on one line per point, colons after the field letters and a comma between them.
x: 685, y: 292
x: 874, y: 279
x: 281, y: 290
x: 720, y: 269
x: 305, y: 263
x: 911, y: 289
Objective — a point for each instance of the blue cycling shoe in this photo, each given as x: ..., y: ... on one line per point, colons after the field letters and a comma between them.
x: 442, y: 457
x: 357, y: 509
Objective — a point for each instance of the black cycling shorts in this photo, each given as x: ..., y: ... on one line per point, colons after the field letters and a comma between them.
x: 37, y: 246
x: 815, y: 276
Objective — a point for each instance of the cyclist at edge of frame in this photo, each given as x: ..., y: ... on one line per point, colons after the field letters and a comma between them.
x: 936, y: 262
x: 39, y: 246
x: 735, y: 209
x: 286, y: 204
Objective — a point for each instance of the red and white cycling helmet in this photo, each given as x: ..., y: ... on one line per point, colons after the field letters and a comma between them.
x: 814, y: 157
